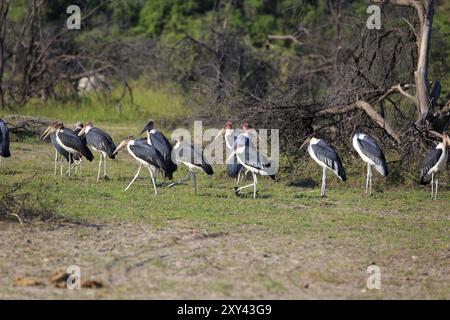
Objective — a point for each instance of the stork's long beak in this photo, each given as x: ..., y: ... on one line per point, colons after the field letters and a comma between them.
x: 44, y: 133
x: 230, y: 157
x: 221, y: 133
x: 121, y: 146
x: 145, y: 129
x: 304, y: 144
x: 82, y: 131
x: 47, y: 132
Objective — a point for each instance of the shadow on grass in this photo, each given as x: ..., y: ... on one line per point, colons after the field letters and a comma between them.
x: 303, y: 183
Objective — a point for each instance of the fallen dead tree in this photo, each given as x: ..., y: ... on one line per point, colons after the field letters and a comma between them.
x: 22, y: 126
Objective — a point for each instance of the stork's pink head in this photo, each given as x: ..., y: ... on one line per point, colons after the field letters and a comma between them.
x: 228, y: 125
x: 245, y: 126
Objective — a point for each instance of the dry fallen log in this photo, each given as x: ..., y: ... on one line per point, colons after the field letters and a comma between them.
x: 23, y: 127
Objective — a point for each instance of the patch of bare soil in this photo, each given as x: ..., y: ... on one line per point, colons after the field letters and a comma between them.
x: 125, y: 260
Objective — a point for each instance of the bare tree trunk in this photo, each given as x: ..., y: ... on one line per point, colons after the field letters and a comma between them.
x: 425, y: 15
x: 4, y: 8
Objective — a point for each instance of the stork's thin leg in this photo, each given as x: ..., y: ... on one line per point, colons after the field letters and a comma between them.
x: 367, y: 179
x: 255, y: 181
x: 0, y: 162
x: 436, y: 188
x: 194, y: 178
x: 324, y: 180
x: 238, y: 177
x: 70, y: 165
x: 370, y: 179
x: 79, y: 165
x: 56, y: 162
x: 238, y: 190
x: 245, y: 175
x: 153, y: 180
x: 61, y: 162
x: 99, y: 166
x: 188, y: 177
x: 135, y: 177
x: 105, y: 176
x: 432, y: 185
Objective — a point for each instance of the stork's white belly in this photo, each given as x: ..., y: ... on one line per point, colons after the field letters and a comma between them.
x: 139, y: 160
x: 249, y: 168
x: 191, y: 166
x: 313, y: 156
x: 441, y: 165
x: 68, y: 149
x: 365, y: 158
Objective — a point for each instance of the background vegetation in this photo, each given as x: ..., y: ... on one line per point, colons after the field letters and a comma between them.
x: 274, y: 63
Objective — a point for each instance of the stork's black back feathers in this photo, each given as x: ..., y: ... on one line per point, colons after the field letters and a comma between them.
x: 189, y: 154
x: 149, y: 154
x: 101, y: 141
x: 330, y: 158
x: 4, y: 140
x: 372, y: 150
x: 70, y: 139
x: 58, y: 148
x: 160, y: 143
x: 234, y: 168
x: 430, y: 161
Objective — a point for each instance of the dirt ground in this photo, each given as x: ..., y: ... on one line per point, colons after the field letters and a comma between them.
x: 183, y: 262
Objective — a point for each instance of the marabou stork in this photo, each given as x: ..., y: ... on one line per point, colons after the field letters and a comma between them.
x: 435, y: 163
x: 250, y: 158
x: 193, y: 159
x: 59, y: 150
x: 4, y: 141
x: 100, y: 141
x: 156, y: 139
x: 69, y: 141
x: 146, y: 155
x: 326, y: 157
x: 234, y: 168
x: 369, y: 150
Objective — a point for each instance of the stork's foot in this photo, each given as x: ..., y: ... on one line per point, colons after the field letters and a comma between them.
x: 237, y: 191
x: 173, y: 184
x: 323, y: 196
x: 105, y: 178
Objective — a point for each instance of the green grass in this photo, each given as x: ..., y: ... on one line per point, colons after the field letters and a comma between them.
x: 164, y: 105
x: 330, y: 241
x: 400, y: 214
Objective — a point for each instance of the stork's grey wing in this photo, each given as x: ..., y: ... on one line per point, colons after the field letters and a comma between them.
x: 100, y: 140
x: 252, y: 158
x: 372, y: 150
x: 4, y: 140
x: 140, y: 140
x: 70, y: 139
x: 149, y: 154
x: 160, y: 142
x: 330, y: 158
x: 190, y: 154
x: 58, y: 148
x: 430, y: 161
x: 233, y: 168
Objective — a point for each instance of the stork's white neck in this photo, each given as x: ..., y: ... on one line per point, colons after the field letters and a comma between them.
x: 314, y: 140
x: 88, y: 128
x: 229, y: 138
x: 440, y: 145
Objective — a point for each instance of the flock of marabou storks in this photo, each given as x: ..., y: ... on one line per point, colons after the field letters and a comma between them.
x: 158, y: 155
